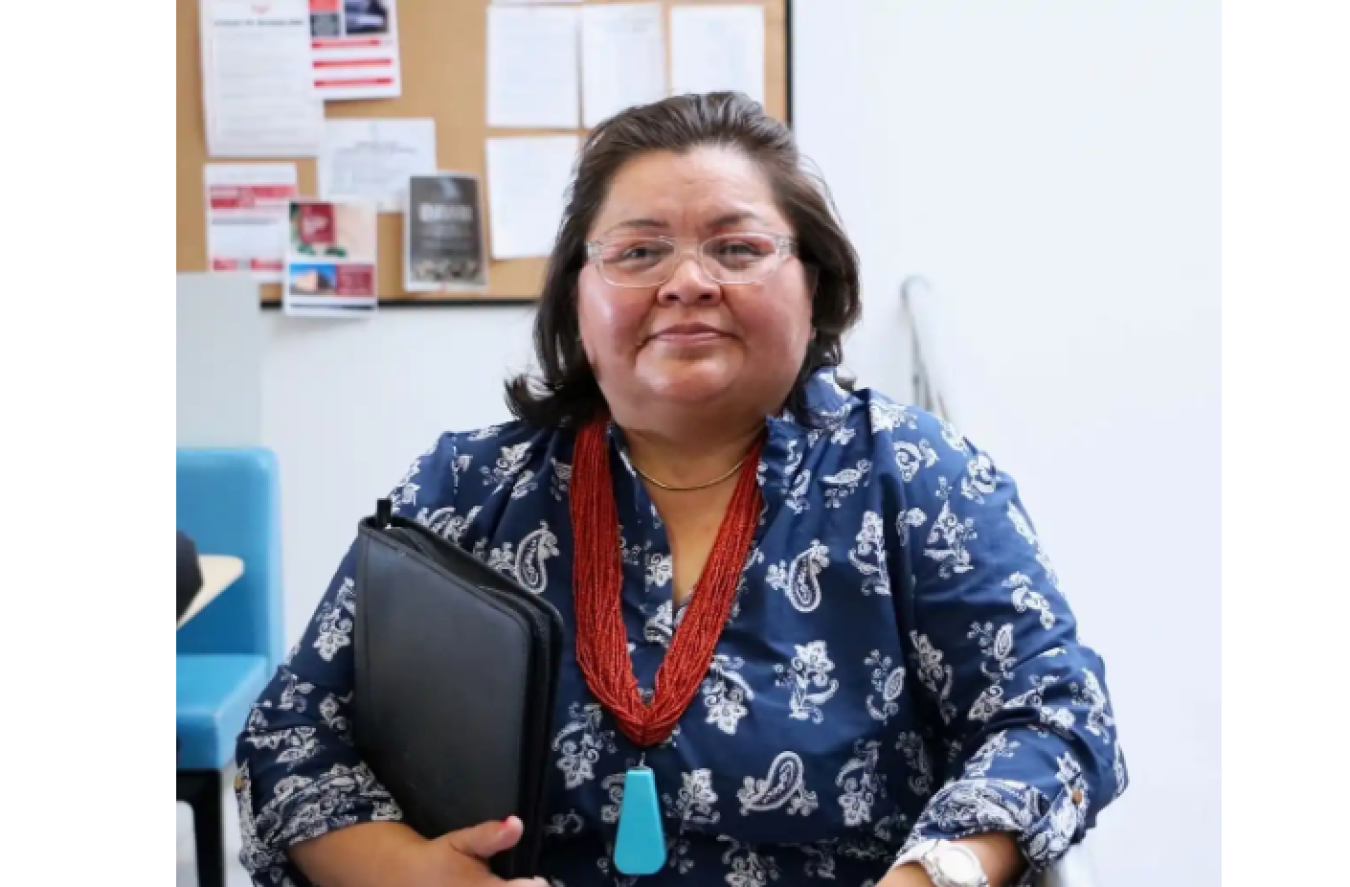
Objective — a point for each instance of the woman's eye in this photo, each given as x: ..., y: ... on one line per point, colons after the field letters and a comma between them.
x: 741, y: 249
x: 636, y: 253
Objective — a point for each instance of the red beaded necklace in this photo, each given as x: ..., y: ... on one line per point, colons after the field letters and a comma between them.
x: 597, y: 580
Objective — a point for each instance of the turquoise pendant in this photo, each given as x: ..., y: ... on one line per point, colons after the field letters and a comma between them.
x: 640, y: 848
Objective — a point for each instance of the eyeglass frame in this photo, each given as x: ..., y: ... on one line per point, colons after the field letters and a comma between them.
x: 784, y: 244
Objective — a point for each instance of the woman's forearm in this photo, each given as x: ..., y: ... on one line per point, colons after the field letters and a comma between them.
x: 999, y: 855
x: 372, y: 854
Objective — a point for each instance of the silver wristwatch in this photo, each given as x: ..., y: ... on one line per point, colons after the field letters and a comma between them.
x: 947, y: 864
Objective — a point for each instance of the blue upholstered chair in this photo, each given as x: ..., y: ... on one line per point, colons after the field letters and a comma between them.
x: 228, y: 503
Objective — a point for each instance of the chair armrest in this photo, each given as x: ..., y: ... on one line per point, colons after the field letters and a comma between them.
x: 1073, y: 870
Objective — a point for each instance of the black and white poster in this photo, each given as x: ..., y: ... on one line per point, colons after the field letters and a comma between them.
x: 444, y: 234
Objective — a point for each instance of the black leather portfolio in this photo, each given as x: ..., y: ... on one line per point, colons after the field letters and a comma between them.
x: 456, y: 676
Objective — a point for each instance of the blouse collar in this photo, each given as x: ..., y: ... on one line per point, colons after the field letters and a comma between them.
x: 781, y: 469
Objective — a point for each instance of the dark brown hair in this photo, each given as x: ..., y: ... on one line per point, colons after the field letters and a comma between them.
x: 565, y: 390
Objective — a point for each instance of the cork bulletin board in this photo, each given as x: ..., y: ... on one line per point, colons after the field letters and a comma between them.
x: 444, y: 68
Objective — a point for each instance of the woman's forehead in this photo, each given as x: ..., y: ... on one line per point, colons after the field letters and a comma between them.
x: 704, y: 188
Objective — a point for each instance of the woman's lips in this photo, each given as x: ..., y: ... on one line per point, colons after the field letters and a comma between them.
x: 688, y: 334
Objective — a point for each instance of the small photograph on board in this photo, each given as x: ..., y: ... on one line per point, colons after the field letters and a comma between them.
x: 366, y: 16
x: 330, y: 259
x: 313, y: 280
x: 444, y: 245
x: 325, y: 24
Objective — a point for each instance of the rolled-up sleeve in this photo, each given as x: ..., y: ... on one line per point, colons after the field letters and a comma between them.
x: 300, y: 775
x: 1022, y: 703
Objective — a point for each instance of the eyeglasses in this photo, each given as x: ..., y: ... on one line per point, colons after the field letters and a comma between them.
x: 742, y: 258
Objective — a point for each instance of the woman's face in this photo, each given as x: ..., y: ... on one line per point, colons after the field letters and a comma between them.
x: 692, y: 340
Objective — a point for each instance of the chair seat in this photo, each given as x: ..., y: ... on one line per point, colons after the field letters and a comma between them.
x: 214, y: 694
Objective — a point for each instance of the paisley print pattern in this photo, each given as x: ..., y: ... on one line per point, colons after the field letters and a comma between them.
x: 808, y: 674
x: 899, y: 663
x: 801, y: 581
x: 868, y: 555
x: 785, y: 784
x: 888, y: 682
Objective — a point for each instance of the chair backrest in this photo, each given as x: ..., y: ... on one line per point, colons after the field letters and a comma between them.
x: 229, y: 503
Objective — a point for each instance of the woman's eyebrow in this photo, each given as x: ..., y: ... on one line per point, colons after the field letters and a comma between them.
x: 638, y: 225
x: 733, y: 218
x: 725, y: 220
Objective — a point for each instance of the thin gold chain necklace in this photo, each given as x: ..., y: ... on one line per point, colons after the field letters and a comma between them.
x: 703, y: 486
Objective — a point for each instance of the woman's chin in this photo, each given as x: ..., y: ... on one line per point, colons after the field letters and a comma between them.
x: 690, y: 384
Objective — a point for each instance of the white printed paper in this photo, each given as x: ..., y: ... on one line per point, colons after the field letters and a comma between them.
x: 527, y: 185
x: 257, y: 87
x: 623, y: 58
x: 246, y: 213
x: 717, y: 49
x: 372, y: 159
x: 355, y: 49
x: 533, y: 67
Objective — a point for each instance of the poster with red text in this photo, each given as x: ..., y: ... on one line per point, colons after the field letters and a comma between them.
x: 330, y: 259
x: 246, y: 206
x: 355, y: 44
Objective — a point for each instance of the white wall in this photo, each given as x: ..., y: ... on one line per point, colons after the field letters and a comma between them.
x: 1052, y: 168
x: 348, y: 405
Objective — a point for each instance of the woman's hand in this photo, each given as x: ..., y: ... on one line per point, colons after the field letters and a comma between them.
x: 390, y: 854
x: 461, y: 858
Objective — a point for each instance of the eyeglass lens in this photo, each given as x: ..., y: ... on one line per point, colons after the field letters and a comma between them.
x: 727, y: 258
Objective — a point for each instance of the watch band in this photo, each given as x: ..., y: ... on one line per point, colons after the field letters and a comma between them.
x: 914, y: 854
x: 947, y: 864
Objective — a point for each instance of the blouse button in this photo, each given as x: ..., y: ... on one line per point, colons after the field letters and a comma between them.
x: 1077, y: 797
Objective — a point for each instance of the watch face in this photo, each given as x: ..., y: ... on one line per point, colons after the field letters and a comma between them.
x: 959, y: 868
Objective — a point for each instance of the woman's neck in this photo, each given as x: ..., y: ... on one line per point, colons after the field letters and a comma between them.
x: 690, y: 459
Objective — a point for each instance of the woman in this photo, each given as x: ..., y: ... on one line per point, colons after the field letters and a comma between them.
x: 876, y: 680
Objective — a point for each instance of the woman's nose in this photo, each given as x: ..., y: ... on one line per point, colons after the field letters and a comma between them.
x: 689, y: 283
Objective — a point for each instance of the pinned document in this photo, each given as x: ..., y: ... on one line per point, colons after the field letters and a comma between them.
x: 527, y: 187
x: 330, y: 259
x: 623, y: 58
x: 533, y: 72
x: 371, y: 160
x: 443, y: 234
x: 355, y: 49
x: 246, y: 212
x: 717, y: 49
x: 257, y: 89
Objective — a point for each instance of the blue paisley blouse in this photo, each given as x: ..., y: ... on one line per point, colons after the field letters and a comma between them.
x: 900, y: 663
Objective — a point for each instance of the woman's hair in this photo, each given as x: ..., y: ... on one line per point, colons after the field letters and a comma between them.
x: 565, y: 390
